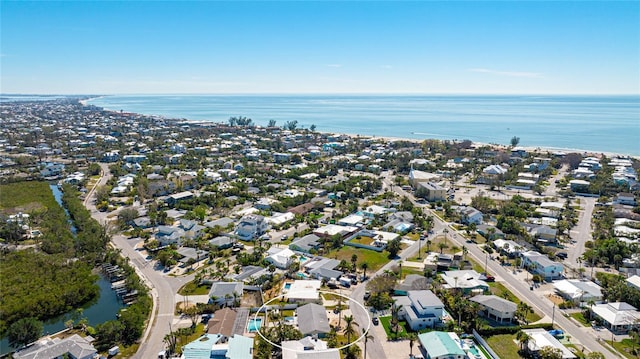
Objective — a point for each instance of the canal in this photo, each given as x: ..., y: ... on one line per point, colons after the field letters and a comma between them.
x: 98, y: 311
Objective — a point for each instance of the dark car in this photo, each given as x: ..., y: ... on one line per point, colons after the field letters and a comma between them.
x: 375, y: 321
x: 562, y: 255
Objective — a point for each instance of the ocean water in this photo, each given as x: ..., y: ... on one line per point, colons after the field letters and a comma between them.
x: 593, y: 123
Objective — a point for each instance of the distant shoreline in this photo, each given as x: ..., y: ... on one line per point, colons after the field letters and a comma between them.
x: 530, y: 148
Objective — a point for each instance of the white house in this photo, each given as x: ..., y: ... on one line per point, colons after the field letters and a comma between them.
x: 470, y: 215
x: 619, y: 317
x: 420, y: 308
x: 74, y: 346
x: 251, y: 227
x: 308, y: 348
x: 281, y: 258
x: 540, y: 338
x: 541, y: 264
x: 578, y: 291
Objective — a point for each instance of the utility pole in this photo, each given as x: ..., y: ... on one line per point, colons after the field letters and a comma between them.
x: 553, y: 314
x: 486, y: 259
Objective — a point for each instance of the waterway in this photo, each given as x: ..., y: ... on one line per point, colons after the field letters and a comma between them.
x: 98, y: 311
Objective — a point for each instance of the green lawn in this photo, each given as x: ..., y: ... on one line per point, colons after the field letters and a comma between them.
x: 504, y: 346
x: 624, y: 347
x: 386, y: 324
x: 580, y: 318
x: 192, y: 289
x: 365, y: 240
x: 374, y: 259
x: 184, y: 340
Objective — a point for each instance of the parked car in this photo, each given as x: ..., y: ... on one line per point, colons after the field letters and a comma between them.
x: 375, y: 321
x: 367, y: 294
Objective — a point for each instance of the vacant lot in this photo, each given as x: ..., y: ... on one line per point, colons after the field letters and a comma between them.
x: 26, y: 197
x: 504, y: 345
x: 374, y: 259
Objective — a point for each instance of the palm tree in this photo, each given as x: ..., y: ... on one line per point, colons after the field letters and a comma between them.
x: 412, y: 340
x: 428, y: 245
x: 523, y: 338
x: 442, y: 246
x: 465, y: 251
x: 348, y: 329
x: 354, y: 260
x: 394, y: 318
x: 364, y: 266
x: 351, y: 352
x: 367, y: 337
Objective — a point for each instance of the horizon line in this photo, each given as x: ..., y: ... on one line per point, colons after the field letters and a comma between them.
x: 315, y: 94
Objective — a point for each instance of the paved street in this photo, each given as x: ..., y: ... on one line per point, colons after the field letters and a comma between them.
x: 163, y: 287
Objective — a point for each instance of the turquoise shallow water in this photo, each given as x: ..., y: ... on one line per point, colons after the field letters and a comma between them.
x: 595, y: 123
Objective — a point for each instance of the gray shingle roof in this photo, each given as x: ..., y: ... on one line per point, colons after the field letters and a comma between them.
x: 312, y: 318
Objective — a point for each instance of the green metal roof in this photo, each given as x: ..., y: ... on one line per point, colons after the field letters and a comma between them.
x: 440, y: 344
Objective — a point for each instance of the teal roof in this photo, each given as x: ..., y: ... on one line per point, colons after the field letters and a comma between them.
x: 201, y: 347
x: 240, y: 347
x: 440, y: 344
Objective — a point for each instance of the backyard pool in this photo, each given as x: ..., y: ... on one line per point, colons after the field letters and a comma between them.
x: 254, y: 325
x: 302, y: 275
x: 289, y: 320
x: 287, y: 286
x: 303, y: 259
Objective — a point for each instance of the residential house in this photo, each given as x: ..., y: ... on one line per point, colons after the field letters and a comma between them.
x: 541, y: 264
x: 224, y: 293
x: 279, y: 257
x: 222, y: 322
x: 250, y: 273
x: 189, y: 255
x: 173, y: 199
x: 579, y: 185
x: 619, y: 317
x: 541, y: 338
x: 222, y: 242
x: 251, y: 226
x: 308, y: 348
x: 313, y: 320
x: 627, y: 199
x: 489, y: 231
x: 468, y: 281
x: 222, y: 223
x: 412, y: 282
x: 441, y: 345
x: 420, y: 308
x: 542, y: 232
x: 578, y: 291
x: 508, y: 247
x: 167, y: 235
x: 74, y: 346
x: 211, y: 346
x: 495, y: 308
x: 470, y: 215
x: 304, y: 291
x: 322, y: 268
x: 634, y: 281
x: 306, y: 243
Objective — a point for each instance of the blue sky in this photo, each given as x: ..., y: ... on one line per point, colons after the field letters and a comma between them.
x: 454, y: 47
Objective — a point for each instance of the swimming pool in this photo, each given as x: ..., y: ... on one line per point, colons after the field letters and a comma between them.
x: 303, y: 259
x: 473, y: 350
x: 289, y: 320
x: 287, y: 286
x: 302, y: 275
x: 254, y: 325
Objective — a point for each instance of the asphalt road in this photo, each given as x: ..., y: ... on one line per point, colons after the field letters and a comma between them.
x: 163, y: 288
x: 519, y: 288
x: 582, y: 231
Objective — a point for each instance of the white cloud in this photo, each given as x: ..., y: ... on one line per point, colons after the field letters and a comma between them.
x: 507, y: 73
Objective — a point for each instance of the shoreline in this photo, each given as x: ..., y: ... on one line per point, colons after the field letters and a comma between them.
x: 529, y: 148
